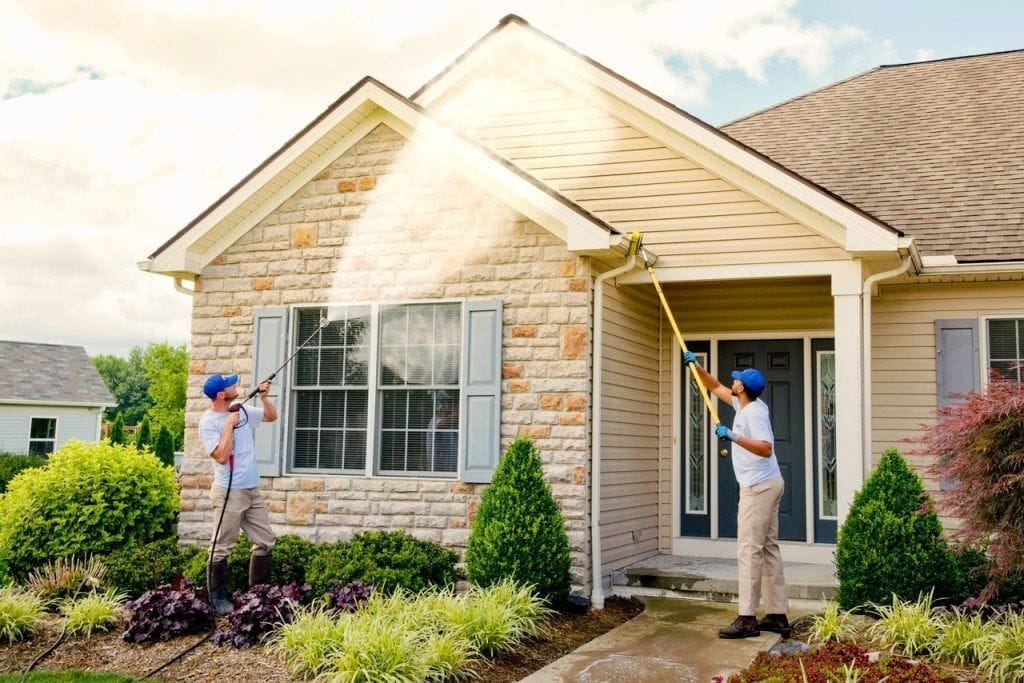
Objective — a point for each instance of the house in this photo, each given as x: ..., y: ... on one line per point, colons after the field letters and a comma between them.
x: 468, y: 244
x: 49, y: 394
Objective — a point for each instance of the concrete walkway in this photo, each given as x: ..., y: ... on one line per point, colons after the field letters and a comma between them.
x: 672, y: 640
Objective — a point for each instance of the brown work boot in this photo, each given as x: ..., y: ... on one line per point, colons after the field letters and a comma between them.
x: 259, y: 569
x: 743, y: 627
x: 776, y: 623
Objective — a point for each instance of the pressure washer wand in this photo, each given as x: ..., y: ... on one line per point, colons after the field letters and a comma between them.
x: 324, y: 322
x: 637, y: 243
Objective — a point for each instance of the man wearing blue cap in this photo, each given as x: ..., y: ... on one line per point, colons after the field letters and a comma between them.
x: 761, y: 486
x: 227, y: 434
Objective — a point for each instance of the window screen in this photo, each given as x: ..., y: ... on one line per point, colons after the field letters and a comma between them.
x: 1006, y: 347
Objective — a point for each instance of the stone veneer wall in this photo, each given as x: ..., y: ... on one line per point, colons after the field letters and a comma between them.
x: 397, y: 226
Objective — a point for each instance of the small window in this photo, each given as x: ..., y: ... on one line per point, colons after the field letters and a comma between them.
x: 1006, y: 347
x: 42, y: 435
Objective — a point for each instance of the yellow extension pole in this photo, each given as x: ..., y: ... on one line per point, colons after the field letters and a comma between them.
x: 679, y: 335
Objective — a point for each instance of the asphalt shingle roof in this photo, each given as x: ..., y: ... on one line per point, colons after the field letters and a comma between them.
x: 934, y: 149
x: 50, y: 372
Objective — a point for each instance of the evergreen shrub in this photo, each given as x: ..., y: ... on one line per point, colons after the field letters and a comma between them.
x: 163, y: 447
x: 118, y: 437
x: 386, y: 560
x: 144, y: 435
x: 891, y: 542
x: 11, y: 465
x: 519, y: 532
x: 137, y: 568
x: 90, y: 498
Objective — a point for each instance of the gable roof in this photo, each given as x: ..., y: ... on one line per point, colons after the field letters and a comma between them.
x: 50, y: 373
x: 660, y: 118
x: 935, y: 149
x: 367, y: 104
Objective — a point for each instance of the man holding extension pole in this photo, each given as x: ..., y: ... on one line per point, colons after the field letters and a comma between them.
x: 226, y: 432
x: 761, y: 487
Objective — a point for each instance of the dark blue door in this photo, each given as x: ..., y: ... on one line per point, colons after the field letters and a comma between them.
x: 781, y: 361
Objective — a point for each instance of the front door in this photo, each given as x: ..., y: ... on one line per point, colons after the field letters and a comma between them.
x: 781, y: 361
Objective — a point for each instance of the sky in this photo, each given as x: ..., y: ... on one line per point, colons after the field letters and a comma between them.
x: 121, y: 120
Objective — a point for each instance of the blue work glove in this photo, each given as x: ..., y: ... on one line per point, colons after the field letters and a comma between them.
x: 690, y: 357
x: 723, y: 432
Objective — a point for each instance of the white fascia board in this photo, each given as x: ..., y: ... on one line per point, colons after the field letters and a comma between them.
x: 862, y: 234
x: 55, y: 404
x: 993, y: 268
x: 743, y: 271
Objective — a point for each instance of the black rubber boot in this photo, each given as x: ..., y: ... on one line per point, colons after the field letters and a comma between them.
x: 743, y: 627
x: 259, y: 569
x: 776, y: 623
x: 217, y: 576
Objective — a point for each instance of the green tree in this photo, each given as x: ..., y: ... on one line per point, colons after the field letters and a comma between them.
x: 519, y: 532
x: 166, y: 368
x: 144, y: 435
x: 127, y: 382
x: 163, y: 448
x: 117, y: 435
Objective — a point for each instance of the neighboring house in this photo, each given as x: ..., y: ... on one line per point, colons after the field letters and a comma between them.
x: 469, y: 245
x: 49, y: 394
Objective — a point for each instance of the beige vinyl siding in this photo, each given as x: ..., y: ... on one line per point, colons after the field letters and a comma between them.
x: 709, y: 309
x: 629, y: 444
x: 903, y: 351
x: 577, y: 146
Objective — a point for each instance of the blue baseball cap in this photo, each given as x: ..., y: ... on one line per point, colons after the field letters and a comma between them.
x: 215, y: 383
x: 752, y: 379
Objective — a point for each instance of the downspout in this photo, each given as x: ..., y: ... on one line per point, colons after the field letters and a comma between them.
x: 597, y: 594
x: 867, y: 293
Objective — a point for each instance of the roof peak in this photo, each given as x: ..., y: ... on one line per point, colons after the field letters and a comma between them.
x: 28, y: 343
x: 951, y: 59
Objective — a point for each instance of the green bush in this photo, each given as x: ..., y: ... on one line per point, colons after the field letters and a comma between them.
x: 163, y: 447
x: 519, y: 532
x: 137, y: 568
x: 288, y: 563
x: 292, y: 554
x: 118, y: 437
x: 144, y: 435
x: 387, y: 560
x: 892, y: 542
x: 11, y: 464
x: 88, y: 499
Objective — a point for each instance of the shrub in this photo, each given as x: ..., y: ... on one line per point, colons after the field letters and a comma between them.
x: 20, y: 611
x: 138, y: 568
x: 66, y: 578
x: 11, y: 465
x: 168, y: 611
x: 387, y: 560
x: 979, y: 444
x: 519, y: 532
x: 260, y: 610
x: 292, y: 554
x: 93, y: 612
x: 144, y: 435
x: 90, y: 498
x: 117, y: 433
x: 163, y: 447
x: 891, y: 542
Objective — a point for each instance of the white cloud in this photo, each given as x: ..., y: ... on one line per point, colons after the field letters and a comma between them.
x: 125, y: 119
x: 924, y: 54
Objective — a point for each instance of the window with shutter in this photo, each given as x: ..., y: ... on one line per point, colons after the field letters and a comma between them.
x: 1005, y: 348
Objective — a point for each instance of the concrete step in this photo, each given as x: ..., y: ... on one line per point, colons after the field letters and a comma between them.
x: 715, y: 579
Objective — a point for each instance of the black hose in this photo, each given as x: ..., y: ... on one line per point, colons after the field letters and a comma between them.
x: 209, y: 593
x: 60, y: 639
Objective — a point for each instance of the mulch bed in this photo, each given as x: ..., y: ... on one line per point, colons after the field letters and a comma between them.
x: 107, y: 652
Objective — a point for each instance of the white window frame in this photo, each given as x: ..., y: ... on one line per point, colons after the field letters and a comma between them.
x: 56, y: 433
x: 983, y: 353
x: 374, y: 393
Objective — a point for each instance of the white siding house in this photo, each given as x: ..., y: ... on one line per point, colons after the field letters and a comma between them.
x: 49, y: 394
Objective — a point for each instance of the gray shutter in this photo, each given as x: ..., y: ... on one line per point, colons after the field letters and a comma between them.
x: 956, y: 359
x: 270, y: 333
x: 481, y: 390
x: 956, y: 365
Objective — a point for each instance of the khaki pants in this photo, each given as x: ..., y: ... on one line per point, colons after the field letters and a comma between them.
x: 246, y: 512
x: 760, y: 562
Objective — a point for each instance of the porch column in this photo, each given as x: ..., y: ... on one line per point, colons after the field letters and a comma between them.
x: 847, y: 283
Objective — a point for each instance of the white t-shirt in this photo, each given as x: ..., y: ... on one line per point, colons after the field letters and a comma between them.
x: 754, y: 422
x: 211, y: 426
